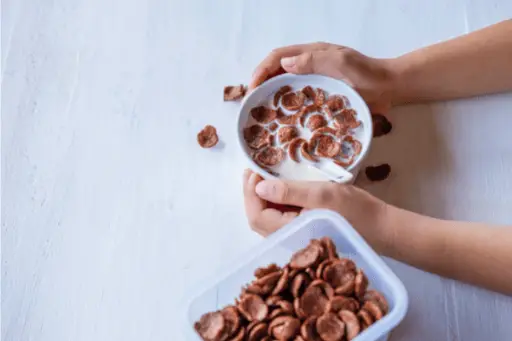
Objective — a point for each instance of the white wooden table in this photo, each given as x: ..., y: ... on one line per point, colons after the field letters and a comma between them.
x: 111, y: 210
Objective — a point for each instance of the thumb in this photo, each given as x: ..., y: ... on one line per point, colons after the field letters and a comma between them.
x: 319, y: 62
x: 309, y: 194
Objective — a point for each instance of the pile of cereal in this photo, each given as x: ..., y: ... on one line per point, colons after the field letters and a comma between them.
x: 277, y: 131
x: 317, y: 296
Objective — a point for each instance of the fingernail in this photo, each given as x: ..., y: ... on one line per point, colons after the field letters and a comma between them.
x: 263, y: 189
x: 288, y: 62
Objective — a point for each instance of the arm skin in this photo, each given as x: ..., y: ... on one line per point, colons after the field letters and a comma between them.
x: 480, y: 254
x: 474, y: 64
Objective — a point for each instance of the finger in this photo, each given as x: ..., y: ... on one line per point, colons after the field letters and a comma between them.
x: 319, y: 62
x: 271, y: 220
x: 254, y: 205
x: 308, y: 194
x: 271, y: 65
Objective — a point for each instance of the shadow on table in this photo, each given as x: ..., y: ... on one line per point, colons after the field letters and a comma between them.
x: 416, y: 151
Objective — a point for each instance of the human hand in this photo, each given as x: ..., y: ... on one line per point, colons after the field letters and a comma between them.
x: 271, y: 204
x: 372, y: 78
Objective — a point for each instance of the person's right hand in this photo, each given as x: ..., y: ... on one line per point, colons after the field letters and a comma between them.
x: 372, y: 78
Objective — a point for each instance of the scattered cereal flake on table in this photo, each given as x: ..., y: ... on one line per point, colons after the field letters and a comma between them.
x: 234, y: 92
x: 378, y: 173
x: 207, y: 138
x: 381, y: 125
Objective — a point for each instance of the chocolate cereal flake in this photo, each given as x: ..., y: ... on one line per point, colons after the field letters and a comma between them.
x: 207, y: 138
x: 284, y: 327
x: 273, y: 126
x: 314, y: 302
x: 305, y: 257
x: 210, y: 326
x: 270, y: 156
x: 253, y: 308
x: 316, y: 121
x: 381, y: 125
x: 304, y: 150
x: 319, y: 97
x: 292, y: 148
x: 328, y: 147
x: 335, y: 103
x: 263, y: 115
x: 232, y: 319
x: 286, y: 119
x: 374, y: 295
x: 258, y: 332
x: 263, y: 271
x: 256, y: 136
x: 309, y: 92
x: 279, y: 93
x: 351, y: 321
x: 339, y: 303
x: 293, y: 101
x: 234, y: 92
x: 330, y: 327
x: 378, y: 173
x: 286, y: 134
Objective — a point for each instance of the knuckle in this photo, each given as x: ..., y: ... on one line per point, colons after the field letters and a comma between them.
x: 305, y: 62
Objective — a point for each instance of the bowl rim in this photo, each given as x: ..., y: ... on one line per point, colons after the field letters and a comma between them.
x: 270, y: 83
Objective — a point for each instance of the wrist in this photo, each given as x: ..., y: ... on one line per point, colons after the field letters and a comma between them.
x: 385, y: 229
x: 396, y: 70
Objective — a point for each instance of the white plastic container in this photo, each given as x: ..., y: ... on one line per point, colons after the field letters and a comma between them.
x: 225, y: 286
x: 264, y: 94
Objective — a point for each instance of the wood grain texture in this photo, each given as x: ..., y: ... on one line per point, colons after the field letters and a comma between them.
x: 110, y: 211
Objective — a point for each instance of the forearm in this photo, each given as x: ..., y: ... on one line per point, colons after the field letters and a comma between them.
x: 474, y: 64
x: 470, y: 252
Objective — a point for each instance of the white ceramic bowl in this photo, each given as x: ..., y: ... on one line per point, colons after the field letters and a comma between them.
x: 265, y: 92
x: 224, y: 285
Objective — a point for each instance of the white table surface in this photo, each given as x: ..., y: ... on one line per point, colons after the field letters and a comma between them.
x: 111, y: 210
